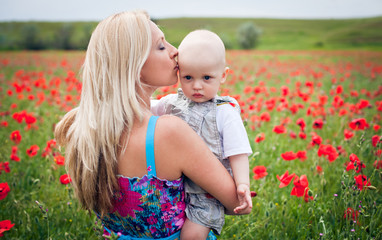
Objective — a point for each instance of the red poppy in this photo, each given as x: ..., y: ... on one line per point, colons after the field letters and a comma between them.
x: 376, y: 127
x: 292, y: 135
x: 265, y: 117
x: 350, y: 213
x: 300, y: 186
x: 65, y: 179
x: 46, y: 152
x: 5, y: 225
x: 60, y: 160
x: 14, y: 149
x: 15, y: 136
x: 355, y: 163
x: 339, y: 89
x: 4, y: 124
x: 358, y: 124
x: 316, y: 140
x: 375, y: 140
x: 341, y: 150
x: 15, y: 157
x: 4, y: 190
x: 361, y: 181
x: 288, y: 156
x: 51, y: 143
x: 285, y: 179
x: 4, y: 166
x: 19, y: 116
x: 279, y: 129
x: 260, y: 137
x: 319, y: 169
x: 318, y: 123
x: 260, y: 172
x: 342, y: 112
x: 302, y: 135
x: 301, y: 155
x: 378, y: 164
x: 284, y: 90
x: 32, y: 151
x: 354, y: 93
x: 301, y: 123
x: 329, y: 151
x: 337, y: 101
x: 378, y: 152
x: 348, y: 134
x: 30, y: 119
x: 362, y: 104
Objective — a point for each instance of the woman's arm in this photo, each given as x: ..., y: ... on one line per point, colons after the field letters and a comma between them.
x: 193, y: 158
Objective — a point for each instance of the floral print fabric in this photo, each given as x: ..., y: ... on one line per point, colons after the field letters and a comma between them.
x: 147, y: 207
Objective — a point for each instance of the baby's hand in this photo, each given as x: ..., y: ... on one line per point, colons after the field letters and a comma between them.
x: 244, y: 196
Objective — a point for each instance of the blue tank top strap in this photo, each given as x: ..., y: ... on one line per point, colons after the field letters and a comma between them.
x: 150, y: 157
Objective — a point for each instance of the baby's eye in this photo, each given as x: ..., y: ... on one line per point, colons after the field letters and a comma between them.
x: 207, y: 77
x: 188, y: 77
x: 162, y: 47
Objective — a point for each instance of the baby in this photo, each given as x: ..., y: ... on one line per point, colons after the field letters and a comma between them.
x: 217, y: 120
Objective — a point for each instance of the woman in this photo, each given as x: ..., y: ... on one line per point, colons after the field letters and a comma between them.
x: 127, y: 165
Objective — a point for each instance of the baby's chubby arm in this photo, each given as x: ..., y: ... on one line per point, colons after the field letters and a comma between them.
x: 240, y: 168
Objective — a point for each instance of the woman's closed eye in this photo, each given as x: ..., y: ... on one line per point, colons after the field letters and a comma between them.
x: 162, y: 47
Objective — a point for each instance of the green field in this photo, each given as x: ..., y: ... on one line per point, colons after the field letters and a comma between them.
x: 287, y: 34
x: 328, y: 90
x: 277, y: 34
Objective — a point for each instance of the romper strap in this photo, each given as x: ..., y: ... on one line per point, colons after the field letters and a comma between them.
x: 150, y: 157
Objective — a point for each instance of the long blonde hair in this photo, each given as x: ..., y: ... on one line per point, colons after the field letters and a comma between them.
x: 117, y: 51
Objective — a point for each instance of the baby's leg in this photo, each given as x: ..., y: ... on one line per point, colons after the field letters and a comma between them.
x: 193, y: 231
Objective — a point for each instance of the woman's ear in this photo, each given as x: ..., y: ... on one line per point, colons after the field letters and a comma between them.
x: 224, y: 76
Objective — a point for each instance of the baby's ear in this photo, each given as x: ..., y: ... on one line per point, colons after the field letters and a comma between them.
x: 225, y: 74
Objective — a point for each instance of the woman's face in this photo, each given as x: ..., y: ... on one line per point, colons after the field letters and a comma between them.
x: 160, y: 68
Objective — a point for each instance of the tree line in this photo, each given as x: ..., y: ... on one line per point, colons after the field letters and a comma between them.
x: 76, y: 35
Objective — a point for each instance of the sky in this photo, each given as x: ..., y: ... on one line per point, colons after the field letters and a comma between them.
x: 96, y: 10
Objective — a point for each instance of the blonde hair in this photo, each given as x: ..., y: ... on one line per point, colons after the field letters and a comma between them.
x: 117, y: 51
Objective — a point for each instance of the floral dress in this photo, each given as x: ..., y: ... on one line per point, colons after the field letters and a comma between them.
x: 147, y: 207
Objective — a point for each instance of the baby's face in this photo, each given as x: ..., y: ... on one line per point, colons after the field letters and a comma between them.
x: 201, y: 73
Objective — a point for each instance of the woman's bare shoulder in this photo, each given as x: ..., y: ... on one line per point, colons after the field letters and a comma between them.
x: 176, y: 135
x: 169, y: 125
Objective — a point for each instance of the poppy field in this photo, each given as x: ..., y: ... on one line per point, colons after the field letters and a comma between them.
x: 313, y: 119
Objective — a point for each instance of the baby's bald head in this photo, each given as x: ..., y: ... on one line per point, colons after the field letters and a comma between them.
x: 202, y: 44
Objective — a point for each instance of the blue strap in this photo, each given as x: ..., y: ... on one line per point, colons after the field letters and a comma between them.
x: 150, y: 157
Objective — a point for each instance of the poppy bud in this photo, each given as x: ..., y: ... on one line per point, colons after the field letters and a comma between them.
x: 310, y: 211
x: 371, y: 187
x: 310, y: 193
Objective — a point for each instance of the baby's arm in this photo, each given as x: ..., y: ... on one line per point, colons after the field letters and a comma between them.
x: 240, y: 168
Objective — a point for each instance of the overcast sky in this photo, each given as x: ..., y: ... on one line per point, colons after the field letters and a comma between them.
x: 95, y: 10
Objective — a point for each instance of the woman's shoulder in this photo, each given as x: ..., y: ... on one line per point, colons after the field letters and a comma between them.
x: 174, y: 130
x: 171, y: 124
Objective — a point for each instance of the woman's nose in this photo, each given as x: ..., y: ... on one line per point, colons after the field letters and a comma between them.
x: 173, y: 51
